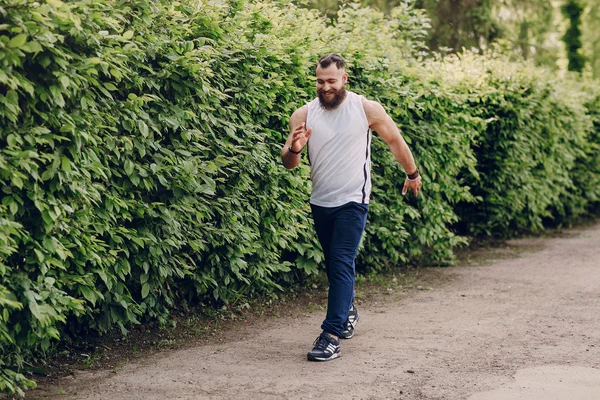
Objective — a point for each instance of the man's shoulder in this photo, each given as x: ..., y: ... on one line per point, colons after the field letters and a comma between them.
x: 301, y: 111
x: 371, y: 107
x: 299, y: 115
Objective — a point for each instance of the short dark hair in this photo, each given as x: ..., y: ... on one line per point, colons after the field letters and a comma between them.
x: 331, y: 58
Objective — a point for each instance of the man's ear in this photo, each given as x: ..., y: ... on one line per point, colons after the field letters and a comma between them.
x: 345, y: 78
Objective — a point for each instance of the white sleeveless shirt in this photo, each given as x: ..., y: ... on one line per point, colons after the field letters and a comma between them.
x: 339, y: 153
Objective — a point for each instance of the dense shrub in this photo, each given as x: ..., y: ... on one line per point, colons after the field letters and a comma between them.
x: 535, y: 156
x: 139, y: 156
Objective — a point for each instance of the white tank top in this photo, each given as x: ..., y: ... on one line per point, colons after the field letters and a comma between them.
x: 339, y: 153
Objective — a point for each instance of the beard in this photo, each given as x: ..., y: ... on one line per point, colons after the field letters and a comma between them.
x: 332, y: 104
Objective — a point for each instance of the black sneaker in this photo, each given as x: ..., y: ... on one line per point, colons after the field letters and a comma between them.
x: 325, y: 348
x: 350, y: 324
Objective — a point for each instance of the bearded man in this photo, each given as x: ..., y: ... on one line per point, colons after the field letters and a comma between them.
x: 336, y: 128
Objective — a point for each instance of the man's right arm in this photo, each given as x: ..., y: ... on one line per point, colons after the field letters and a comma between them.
x: 291, y: 160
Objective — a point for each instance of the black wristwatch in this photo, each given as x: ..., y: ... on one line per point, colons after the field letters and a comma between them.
x: 294, y: 152
x: 414, y: 175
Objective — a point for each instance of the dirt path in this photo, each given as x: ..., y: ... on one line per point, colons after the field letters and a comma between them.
x: 525, y: 325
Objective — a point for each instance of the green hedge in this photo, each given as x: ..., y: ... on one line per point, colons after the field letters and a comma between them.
x: 537, y: 157
x: 139, y: 156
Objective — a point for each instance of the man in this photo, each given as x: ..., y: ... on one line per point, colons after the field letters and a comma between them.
x: 336, y: 128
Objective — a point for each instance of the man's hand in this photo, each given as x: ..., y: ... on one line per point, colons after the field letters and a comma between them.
x: 297, y: 138
x: 413, y: 184
x: 300, y: 137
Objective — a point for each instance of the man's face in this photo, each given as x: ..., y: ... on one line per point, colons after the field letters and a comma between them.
x: 331, y: 83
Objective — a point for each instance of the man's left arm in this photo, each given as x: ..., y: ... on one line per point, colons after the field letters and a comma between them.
x: 386, y: 128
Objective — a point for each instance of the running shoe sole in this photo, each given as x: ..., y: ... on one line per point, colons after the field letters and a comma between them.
x: 332, y: 357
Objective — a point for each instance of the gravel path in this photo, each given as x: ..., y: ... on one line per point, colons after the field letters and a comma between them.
x: 516, y: 322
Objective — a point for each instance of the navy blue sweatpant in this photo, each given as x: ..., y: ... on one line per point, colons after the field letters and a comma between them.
x: 339, y: 230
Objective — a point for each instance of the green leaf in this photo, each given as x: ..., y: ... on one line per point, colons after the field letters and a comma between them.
x: 129, y: 167
x: 65, y: 81
x: 128, y: 35
x: 116, y: 73
x: 145, y: 290
x: 14, y: 207
x: 143, y: 128
x: 65, y: 164
x: 39, y: 255
x: 110, y: 86
x: 47, y: 218
x: 94, y: 60
x: 48, y: 174
x: 135, y: 179
x: 35, y: 310
x: 32, y: 47
x: 17, y: 181
x: 53, y: 333
x: 58, y: 97
x: 88, y: 293
x: 11, y: 140
x: 17, y: 41
x: 12, y: 97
